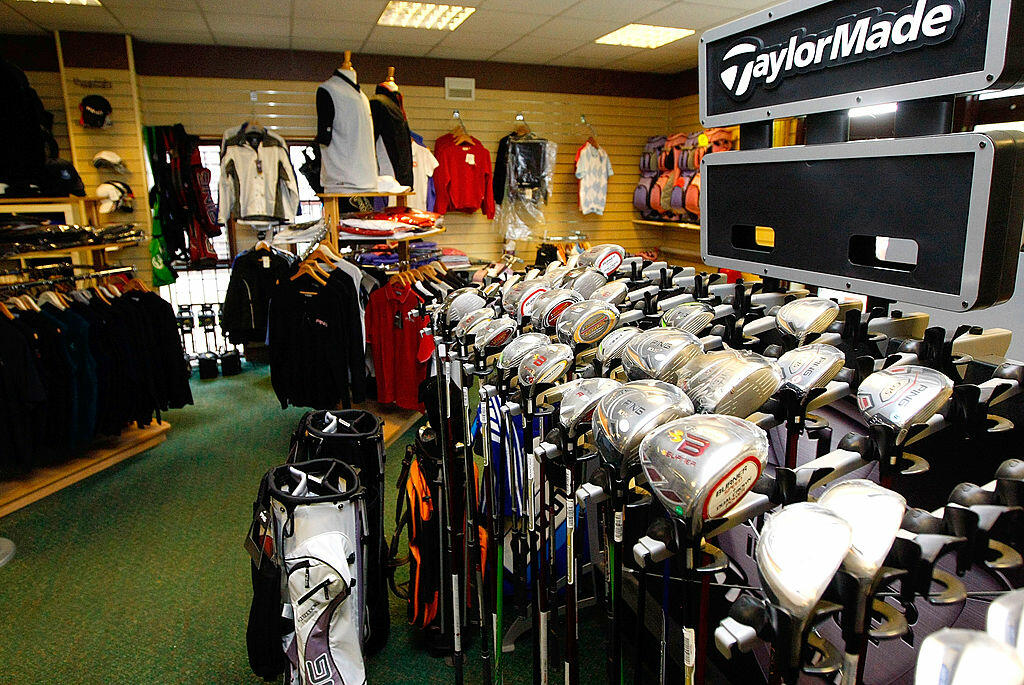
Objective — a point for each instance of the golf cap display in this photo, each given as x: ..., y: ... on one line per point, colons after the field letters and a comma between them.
x: 95, y: 111
x: 115, y: 195
x: 105, y: 159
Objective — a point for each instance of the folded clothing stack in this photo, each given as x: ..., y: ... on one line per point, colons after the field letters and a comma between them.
x: 451, y: 256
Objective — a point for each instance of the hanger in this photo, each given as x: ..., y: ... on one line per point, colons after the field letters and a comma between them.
x: 307, y: 269
x: 522, y: 128
x: 459, y: 129
x: 261, y: 246
x: 6, y: 312
x: 51, y: 297
x: 30, y: 304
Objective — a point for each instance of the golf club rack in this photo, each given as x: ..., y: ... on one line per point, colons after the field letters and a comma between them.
x: 750, y: 482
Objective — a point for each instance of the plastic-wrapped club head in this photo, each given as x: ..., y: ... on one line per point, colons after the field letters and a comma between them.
x: 901, y: 396
x: 547, y: 306
x: 555, y: 273
x: 545, y: 364
x: 736, y: 384
x: 1005, y: 620
x: 874, y: 514
x: 459, y: 303
x: 800, y: 549
x: 606, y: 258
x: 626, y: 415
x: 810, y: 366
x: 586, y: 323
x: 585, y: 280
x: 955, y: 656
x: 613, y: 292
x: 495, y: 333
x: 701, y: 466
x: 580, y: 398
x: 518, y: 300
x: 614, y: 343
x: 472, y: 322
x: 692, y: 317
x: 800, y: 318
x: 659, y: 353
x: 518, y: 348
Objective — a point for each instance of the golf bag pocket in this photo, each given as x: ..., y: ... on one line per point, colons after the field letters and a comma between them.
x: 642, y: 193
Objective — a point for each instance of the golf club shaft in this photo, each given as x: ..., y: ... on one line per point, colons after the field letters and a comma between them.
x: 572, y: 671
x: 450, y: 551
x: 666, y: 574
x: 638, y: 638
x: 472, y: 538
x: 495, y: 559
x: 537, y: 637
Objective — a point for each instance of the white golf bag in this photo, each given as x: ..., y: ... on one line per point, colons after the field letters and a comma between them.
x: 319, y: 524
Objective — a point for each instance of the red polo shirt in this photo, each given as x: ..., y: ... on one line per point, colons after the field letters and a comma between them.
x: 393, y: 332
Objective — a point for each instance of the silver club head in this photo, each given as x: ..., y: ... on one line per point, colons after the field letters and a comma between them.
x: 659, y: 353
x: 874, y: 514
x: 495, y: 333
x: 800, y: 318
x: 518, y: 300
x: 545, y: 364
x: 810, y: 366
x: 606, y: 258
x: 626, y: 415
x: 736, y: 384
x: 518, y: 348
x: 586, y: 323
x: 901, y: 396
x: 701, y: 466
x: 471, y: 322
x: 459, y: 303
x: 585, y: 280
x: 547, y: 306
x: 800, y: 549
x: 613, y: 292
x: 614, y: 343
x: 554, y: 274
x: 955, y: 656
x: 692, y: 317
x: 1005, y: 620
x: 580, y: 398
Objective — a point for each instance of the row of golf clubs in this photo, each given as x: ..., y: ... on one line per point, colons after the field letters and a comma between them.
x: 731, y: 382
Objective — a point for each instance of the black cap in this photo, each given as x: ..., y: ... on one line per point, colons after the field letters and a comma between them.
x: 95, y: 109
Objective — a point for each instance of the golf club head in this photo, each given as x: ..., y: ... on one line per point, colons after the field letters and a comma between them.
x: 458, y: 304
x: 901, y: 396
x: 547, y: 306
x: 580, y: 398
x: 518, y: 348
x: 810, y: 366
x: 802, y: 317
x: 554, y: 274
x: 954, y: 656
x: 518, y: 300
x: 586, y: 323
x: 625, y: 415
x: 659, y: 353
x: 700, y: 466
x: 545, y: 364
x: 800, y: 549
x: 613, y: 292
x: 471, y: 322
x: 614, y: 343
x: 737, y: 383
x: 692, y: 317
x: 606, y: 258
x: 495, y: 333
x: 874, y: 514
x: 585, y: 280
x: 1004, y: 620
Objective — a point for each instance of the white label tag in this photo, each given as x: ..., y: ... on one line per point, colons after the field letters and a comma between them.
x: 618, y: 527
x: 470, y: 159
x: 689, y: 648
x: 265, y: 261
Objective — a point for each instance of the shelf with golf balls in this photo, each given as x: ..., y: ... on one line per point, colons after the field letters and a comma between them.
x: 598, y: 386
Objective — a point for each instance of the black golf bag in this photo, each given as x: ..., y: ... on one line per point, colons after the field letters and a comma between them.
x: 356, y: 437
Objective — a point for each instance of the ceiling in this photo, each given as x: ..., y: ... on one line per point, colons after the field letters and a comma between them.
x: 554, y: 32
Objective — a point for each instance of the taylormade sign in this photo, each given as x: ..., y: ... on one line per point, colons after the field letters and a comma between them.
x: 871, y: 34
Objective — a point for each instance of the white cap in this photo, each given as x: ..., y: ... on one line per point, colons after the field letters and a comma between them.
x: 105, y: 159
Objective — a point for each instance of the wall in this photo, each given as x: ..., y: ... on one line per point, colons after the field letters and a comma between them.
x: 47, y: 85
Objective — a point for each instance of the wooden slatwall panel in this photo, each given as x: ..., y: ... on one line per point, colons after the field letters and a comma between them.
x: 684, y: 115
x: 124, y: 138
x: 207, y: 107
x: 47, y: 85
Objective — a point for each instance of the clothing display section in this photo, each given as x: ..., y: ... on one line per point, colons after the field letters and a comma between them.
x: 256, y: 177
x: 345, y: 134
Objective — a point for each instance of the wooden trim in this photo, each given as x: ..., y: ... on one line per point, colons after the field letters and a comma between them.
x: 93, y: 50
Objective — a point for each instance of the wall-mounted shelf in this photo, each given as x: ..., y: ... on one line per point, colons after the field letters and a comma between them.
x: 667, y: 224
x: 332, y: 217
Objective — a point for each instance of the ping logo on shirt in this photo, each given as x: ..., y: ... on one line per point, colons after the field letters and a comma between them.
x: 867, y: 35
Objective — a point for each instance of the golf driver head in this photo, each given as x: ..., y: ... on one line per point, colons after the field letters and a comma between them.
x: 471, y: 322
x: 810, y: 366
x: 659, y: 353
x: 458, y: 304
x: 701, y: 466
x: 585, y: 280
x: 586, y: 323
x: 580, y: 398
x: 874, y: 515
x: 1005, y: 618
x: 547, y: 306
x: 614, y: 343
x: 627, y: 414
x: 606, y: 258
x: 545, y: 364
x: 802, y: 317
x: 955, y: 656
x: 613, y: 292
x: 737, y: 383
x: 901, y: 396
x: 692, y: 317
x: 554, y: 274
x: 518, y: 348
x: 800, y: 549
x: 518, y: 300
x: 495, y: 333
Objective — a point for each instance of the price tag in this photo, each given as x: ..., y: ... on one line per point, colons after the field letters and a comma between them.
x: 470, y: 159
x: 617, y: 534
x: 689, y: 647
x: 265, y: 261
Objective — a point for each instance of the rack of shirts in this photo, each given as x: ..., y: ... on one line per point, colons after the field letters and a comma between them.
x: 256, y: 175
x: 463, y: 177
x: 254, y: 275
x: 82, y: 363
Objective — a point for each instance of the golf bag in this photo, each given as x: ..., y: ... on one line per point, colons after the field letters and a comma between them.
x: 308, y: 591
x: 356, y: 437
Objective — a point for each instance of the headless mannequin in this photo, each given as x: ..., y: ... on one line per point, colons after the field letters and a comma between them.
x: 345, y: 133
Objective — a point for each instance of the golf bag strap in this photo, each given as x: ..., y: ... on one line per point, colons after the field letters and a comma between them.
x: 402, y: 514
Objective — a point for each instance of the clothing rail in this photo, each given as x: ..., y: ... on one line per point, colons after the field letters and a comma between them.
x: 25, y: 285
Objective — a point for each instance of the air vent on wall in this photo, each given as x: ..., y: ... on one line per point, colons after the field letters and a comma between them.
x: 459, y: 88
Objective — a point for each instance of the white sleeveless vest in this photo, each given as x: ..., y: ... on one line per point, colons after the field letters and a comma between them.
x: 349, y: 161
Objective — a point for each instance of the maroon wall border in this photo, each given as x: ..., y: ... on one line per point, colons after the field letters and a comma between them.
x: 94, y: 50
x: 30, y: 52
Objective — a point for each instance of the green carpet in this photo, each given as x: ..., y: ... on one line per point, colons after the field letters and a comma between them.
x: 137, y: 574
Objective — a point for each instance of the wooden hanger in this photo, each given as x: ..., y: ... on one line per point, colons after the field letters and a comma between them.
x: 30, y: 304
x: 521, y: 128
x: 592, y: 138
x: 459, y: 129
x: 6, y: 312
x: 307, y: 269
x: 51, y: 297
x: 261, y: 246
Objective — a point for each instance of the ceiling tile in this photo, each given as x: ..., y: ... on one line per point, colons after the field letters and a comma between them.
x: 574, y: 31
x: 489, y: 21
x: 247, y: 8
x: 691, y: 15
x: 16, y: 23
x: 594, y: 56
x: 251, y: 40
x: 181, y: 5
x: 529, y: 51
x: 404, y: 49
x: 340, y: 10
x: 496, y: 41
x: 304, y: 28
x: 275, y: 27
x: 69, y: 17
x: 164, y: 35
x: 444, y: 52
x: 548, y: 7
x: 748, y: 5
x: 174, y: 20
x: 403, y: 36
x: 617, y: 10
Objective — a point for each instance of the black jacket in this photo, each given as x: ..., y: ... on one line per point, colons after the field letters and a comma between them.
x: 254, y: 276
x: 391, y: 126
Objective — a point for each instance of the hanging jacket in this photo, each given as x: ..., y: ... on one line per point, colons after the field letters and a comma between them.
x: 254, y: 275
x: 391, y: 133
x: 256, y: 177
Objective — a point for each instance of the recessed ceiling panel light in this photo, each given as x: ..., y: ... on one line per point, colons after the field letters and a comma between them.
x: 82, y: 3
x: 421, y: 15
x: 644, y: 36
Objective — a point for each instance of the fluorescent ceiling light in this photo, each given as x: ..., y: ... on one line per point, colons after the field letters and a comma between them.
x: 1008, y: 93
x: 83, y: 3
x: 421, y: 15
x: 873, y: 110
x: 644, y: 36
